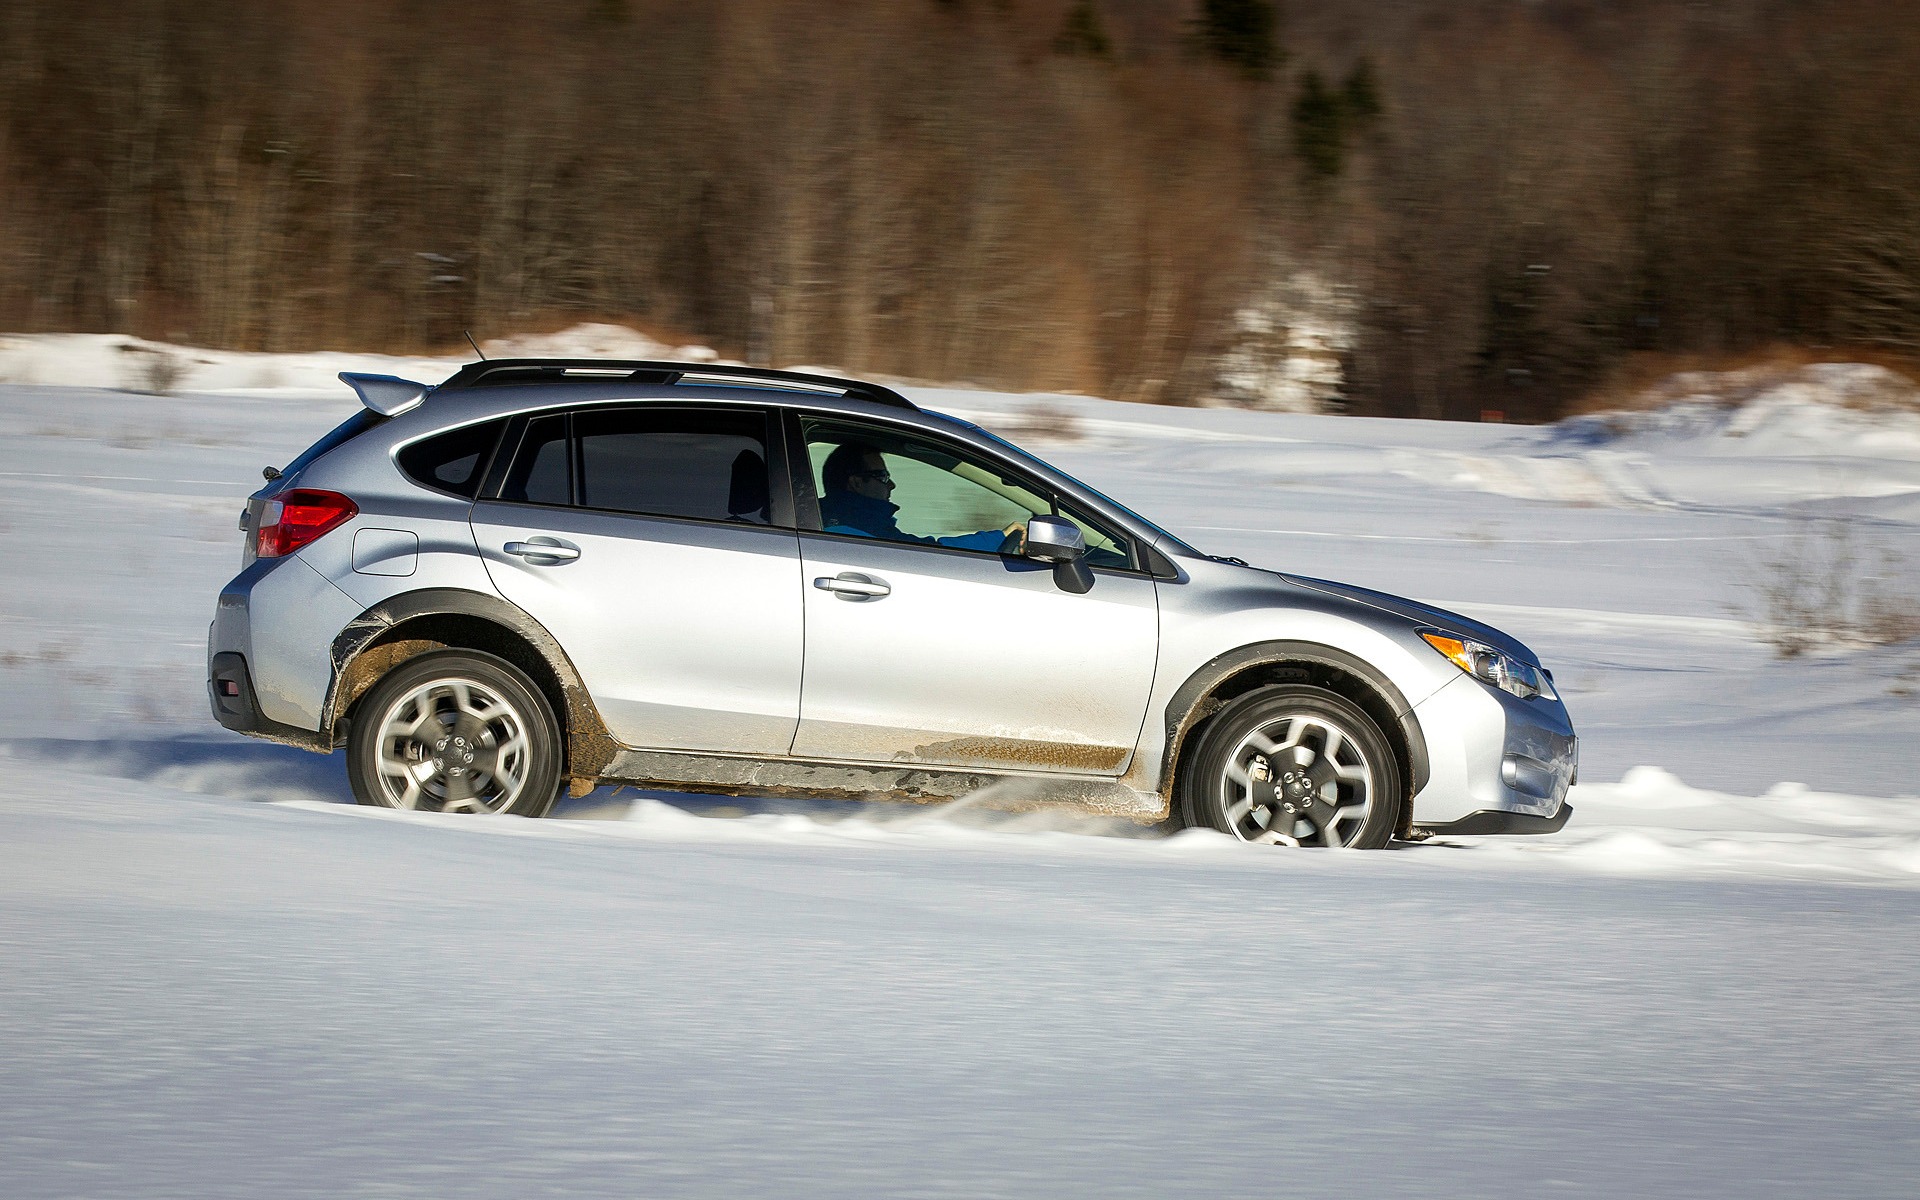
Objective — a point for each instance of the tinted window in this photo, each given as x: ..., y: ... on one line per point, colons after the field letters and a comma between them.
x: 541, y: 473
x: 452, y: 461
x: 674, y: 463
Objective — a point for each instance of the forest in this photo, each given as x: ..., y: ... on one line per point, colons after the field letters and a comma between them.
x: 1503, y: 203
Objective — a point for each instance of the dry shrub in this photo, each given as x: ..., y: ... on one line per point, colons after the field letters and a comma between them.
x: 1042, y: 421
x: 1649, y: 380
x: 1822, y: 587
x: 1889, y: 618
x: 151, y: 370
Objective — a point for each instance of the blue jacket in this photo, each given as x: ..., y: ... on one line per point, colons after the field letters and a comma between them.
x: 850, y: 512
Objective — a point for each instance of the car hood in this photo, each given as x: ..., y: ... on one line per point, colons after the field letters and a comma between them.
x: 1441, y: 619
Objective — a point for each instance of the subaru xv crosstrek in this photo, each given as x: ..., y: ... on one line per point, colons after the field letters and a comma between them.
x: 551, y: 574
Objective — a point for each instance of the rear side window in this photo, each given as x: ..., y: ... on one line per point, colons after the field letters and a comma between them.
x: 674, y: 463
x: 453, y: 461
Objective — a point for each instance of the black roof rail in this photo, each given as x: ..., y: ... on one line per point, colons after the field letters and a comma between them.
x: 497, y: 372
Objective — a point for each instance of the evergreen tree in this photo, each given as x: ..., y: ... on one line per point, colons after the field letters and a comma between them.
x: 1083, y: 33
x: 1319, y: 126
x: 1324, y: 117
x: 1360, y: 95
x: 1242, y: 33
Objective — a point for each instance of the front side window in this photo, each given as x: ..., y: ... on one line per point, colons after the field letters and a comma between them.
x: 707, y: 465
x: 878, y: 483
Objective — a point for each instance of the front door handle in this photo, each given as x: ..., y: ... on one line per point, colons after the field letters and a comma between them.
x: 852, y: 585
x: 543, y: 547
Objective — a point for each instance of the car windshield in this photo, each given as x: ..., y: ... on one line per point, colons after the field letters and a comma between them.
x: 1165, y: 540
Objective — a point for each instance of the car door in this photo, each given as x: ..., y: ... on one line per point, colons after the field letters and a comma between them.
x: 651, y: 542
x: 924, y: 644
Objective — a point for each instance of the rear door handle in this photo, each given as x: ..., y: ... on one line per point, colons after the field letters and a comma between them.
x: 543, y: 547
x: 852, y: 585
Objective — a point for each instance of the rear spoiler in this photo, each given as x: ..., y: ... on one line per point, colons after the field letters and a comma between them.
x: 385, y: 394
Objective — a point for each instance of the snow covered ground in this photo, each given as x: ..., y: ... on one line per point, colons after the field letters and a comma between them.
x: 218, y: 979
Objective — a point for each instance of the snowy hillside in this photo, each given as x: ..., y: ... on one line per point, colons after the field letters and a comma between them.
x: 221, y: 979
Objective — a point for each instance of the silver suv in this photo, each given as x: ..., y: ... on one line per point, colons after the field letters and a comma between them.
x: 544, y: 574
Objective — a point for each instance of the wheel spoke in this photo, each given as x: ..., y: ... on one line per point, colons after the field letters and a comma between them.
x: 1262, y: 746
x: 515, y: 743
x: 490, y: 712
x: 460, y: 793
x: 1330, y: 828
x: 408, y: 794
x: 1332, y: 748
x: 428, y: 715
x: 510, y: 774
x: 506, y: 751
x: 1238, y: 810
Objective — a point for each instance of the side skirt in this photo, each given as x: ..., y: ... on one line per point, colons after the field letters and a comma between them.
x: 726, y: 776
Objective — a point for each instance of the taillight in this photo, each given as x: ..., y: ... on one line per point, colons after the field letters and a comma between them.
x: 295, y: 518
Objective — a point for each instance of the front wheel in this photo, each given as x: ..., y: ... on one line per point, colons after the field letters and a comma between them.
x: 455, y: 731
x: 1296, y: 766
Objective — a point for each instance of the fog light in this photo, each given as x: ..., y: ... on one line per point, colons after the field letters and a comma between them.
x: 1510, y: 771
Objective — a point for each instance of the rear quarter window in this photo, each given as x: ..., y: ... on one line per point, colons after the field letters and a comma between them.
x: 454, y: 461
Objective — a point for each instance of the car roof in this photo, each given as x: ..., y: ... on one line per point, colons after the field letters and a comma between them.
x: 531, y: 385
x: 578, y: 372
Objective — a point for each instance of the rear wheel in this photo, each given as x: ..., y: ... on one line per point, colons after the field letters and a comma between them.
x: 1296, y: 766
x: 455, y: 731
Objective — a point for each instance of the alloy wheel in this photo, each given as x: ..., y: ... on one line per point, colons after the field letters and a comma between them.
x: 1296, y: 780
x: 452, y: 745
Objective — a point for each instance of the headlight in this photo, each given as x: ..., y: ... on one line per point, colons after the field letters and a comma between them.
x: 1490, y: 666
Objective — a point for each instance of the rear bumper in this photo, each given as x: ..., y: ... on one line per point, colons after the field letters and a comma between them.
x: 235, y: 706
x: 271, y: 639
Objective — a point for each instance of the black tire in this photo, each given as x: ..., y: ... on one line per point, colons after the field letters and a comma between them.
x: 1275, y: 739
x: 469, y: 730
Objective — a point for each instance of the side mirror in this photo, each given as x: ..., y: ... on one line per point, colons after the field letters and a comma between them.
x: 1060, y: 542
x: 1054, y: 540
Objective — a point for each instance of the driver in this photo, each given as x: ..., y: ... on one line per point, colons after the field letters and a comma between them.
x: 857, y: 486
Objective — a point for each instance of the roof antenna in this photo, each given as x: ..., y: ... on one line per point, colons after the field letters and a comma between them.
x: 475, y: 345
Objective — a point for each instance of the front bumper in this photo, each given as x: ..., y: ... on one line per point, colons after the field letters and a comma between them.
x: 1494, y: 757
x: 1498, y: 821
